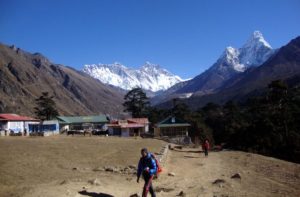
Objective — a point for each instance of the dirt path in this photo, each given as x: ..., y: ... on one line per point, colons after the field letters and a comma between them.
x: 260, y: 176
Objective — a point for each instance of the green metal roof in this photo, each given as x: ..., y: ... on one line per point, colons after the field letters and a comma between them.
x: 174, y: 125
x: 172, y: 121
x: 83, y: 119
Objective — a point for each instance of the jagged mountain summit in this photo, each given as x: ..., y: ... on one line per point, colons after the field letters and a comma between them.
x: 149, y: 77
x: 233, y: 61
x: 253, y: 53
x: 256, y: 50
x: 283, y: 65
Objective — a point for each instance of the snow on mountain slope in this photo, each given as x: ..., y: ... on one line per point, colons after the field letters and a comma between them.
x: 231, y: 57
x: 149, y: 77
x: 256, y: 50
x: 233, y: 61
x: 253, y: 53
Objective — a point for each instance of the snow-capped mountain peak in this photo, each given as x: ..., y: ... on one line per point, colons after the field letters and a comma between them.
x: 231, y: 63
x: 253, y: 53
x: 154, y: 69
x: 257, y: 38
x: 256, y: 50
x: 150, y: 67
x: 231, y: 57
x: 149, y: 77
x: 230, y: 53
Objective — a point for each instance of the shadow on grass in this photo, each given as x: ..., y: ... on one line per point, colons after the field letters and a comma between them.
x: 188, y: 151
x: 94, y: 194
x: 187, y: 156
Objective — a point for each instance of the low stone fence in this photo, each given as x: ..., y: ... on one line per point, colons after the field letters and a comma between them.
x: 45, y: 133
x: 50, y: 133
x: 180, y: 140
x: 162, y: 155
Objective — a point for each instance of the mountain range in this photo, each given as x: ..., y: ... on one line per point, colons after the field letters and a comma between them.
x: 284, y: 65
x: 24, y: 76
x: 237, y: 74
x: 232, y: 62
x: 150, y: 77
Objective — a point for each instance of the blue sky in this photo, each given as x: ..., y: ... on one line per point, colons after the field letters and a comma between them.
x: 185, y: 37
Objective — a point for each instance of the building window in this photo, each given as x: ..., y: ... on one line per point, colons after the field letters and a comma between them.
x: 173, y: 120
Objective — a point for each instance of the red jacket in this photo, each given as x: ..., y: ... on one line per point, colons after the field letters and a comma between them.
x: 205, y: 145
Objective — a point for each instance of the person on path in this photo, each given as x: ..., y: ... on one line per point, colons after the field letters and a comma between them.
x: 205, y: 147
x: 147, y: 167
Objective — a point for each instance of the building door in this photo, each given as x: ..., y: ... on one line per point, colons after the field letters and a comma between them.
x: 136, y: 132
x: 117, y: 131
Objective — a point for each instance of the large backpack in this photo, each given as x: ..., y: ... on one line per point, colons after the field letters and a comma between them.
x: 159, y: 168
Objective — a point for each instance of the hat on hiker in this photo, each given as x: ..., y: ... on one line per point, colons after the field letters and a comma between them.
x: 144, y: 150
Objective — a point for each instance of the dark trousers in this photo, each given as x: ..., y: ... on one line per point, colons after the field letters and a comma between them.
x: 206, y: 151
x: 148, y: 185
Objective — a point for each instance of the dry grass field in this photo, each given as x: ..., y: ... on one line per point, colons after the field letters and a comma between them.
x: 64, y: 166
x: 28, y: 162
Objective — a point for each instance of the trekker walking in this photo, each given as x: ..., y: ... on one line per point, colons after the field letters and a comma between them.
x: 205, y: 147
x: 147, y: 167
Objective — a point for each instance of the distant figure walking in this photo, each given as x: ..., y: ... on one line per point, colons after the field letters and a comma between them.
x: 147, y: 167
x: 205, y: 147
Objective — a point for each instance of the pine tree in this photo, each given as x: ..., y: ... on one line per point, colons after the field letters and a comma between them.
x: 181, y: 111
x: 46, y: 107
x: 136, y: 102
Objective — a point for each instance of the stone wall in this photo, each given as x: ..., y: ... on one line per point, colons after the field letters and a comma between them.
x: 162, y: 155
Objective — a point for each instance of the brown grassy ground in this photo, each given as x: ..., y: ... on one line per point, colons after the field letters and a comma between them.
x: 27, y: 162
x: 44, y: 167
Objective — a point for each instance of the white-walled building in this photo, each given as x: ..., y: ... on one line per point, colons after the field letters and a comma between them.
x: 16, y: 124
x: 50, y: 127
